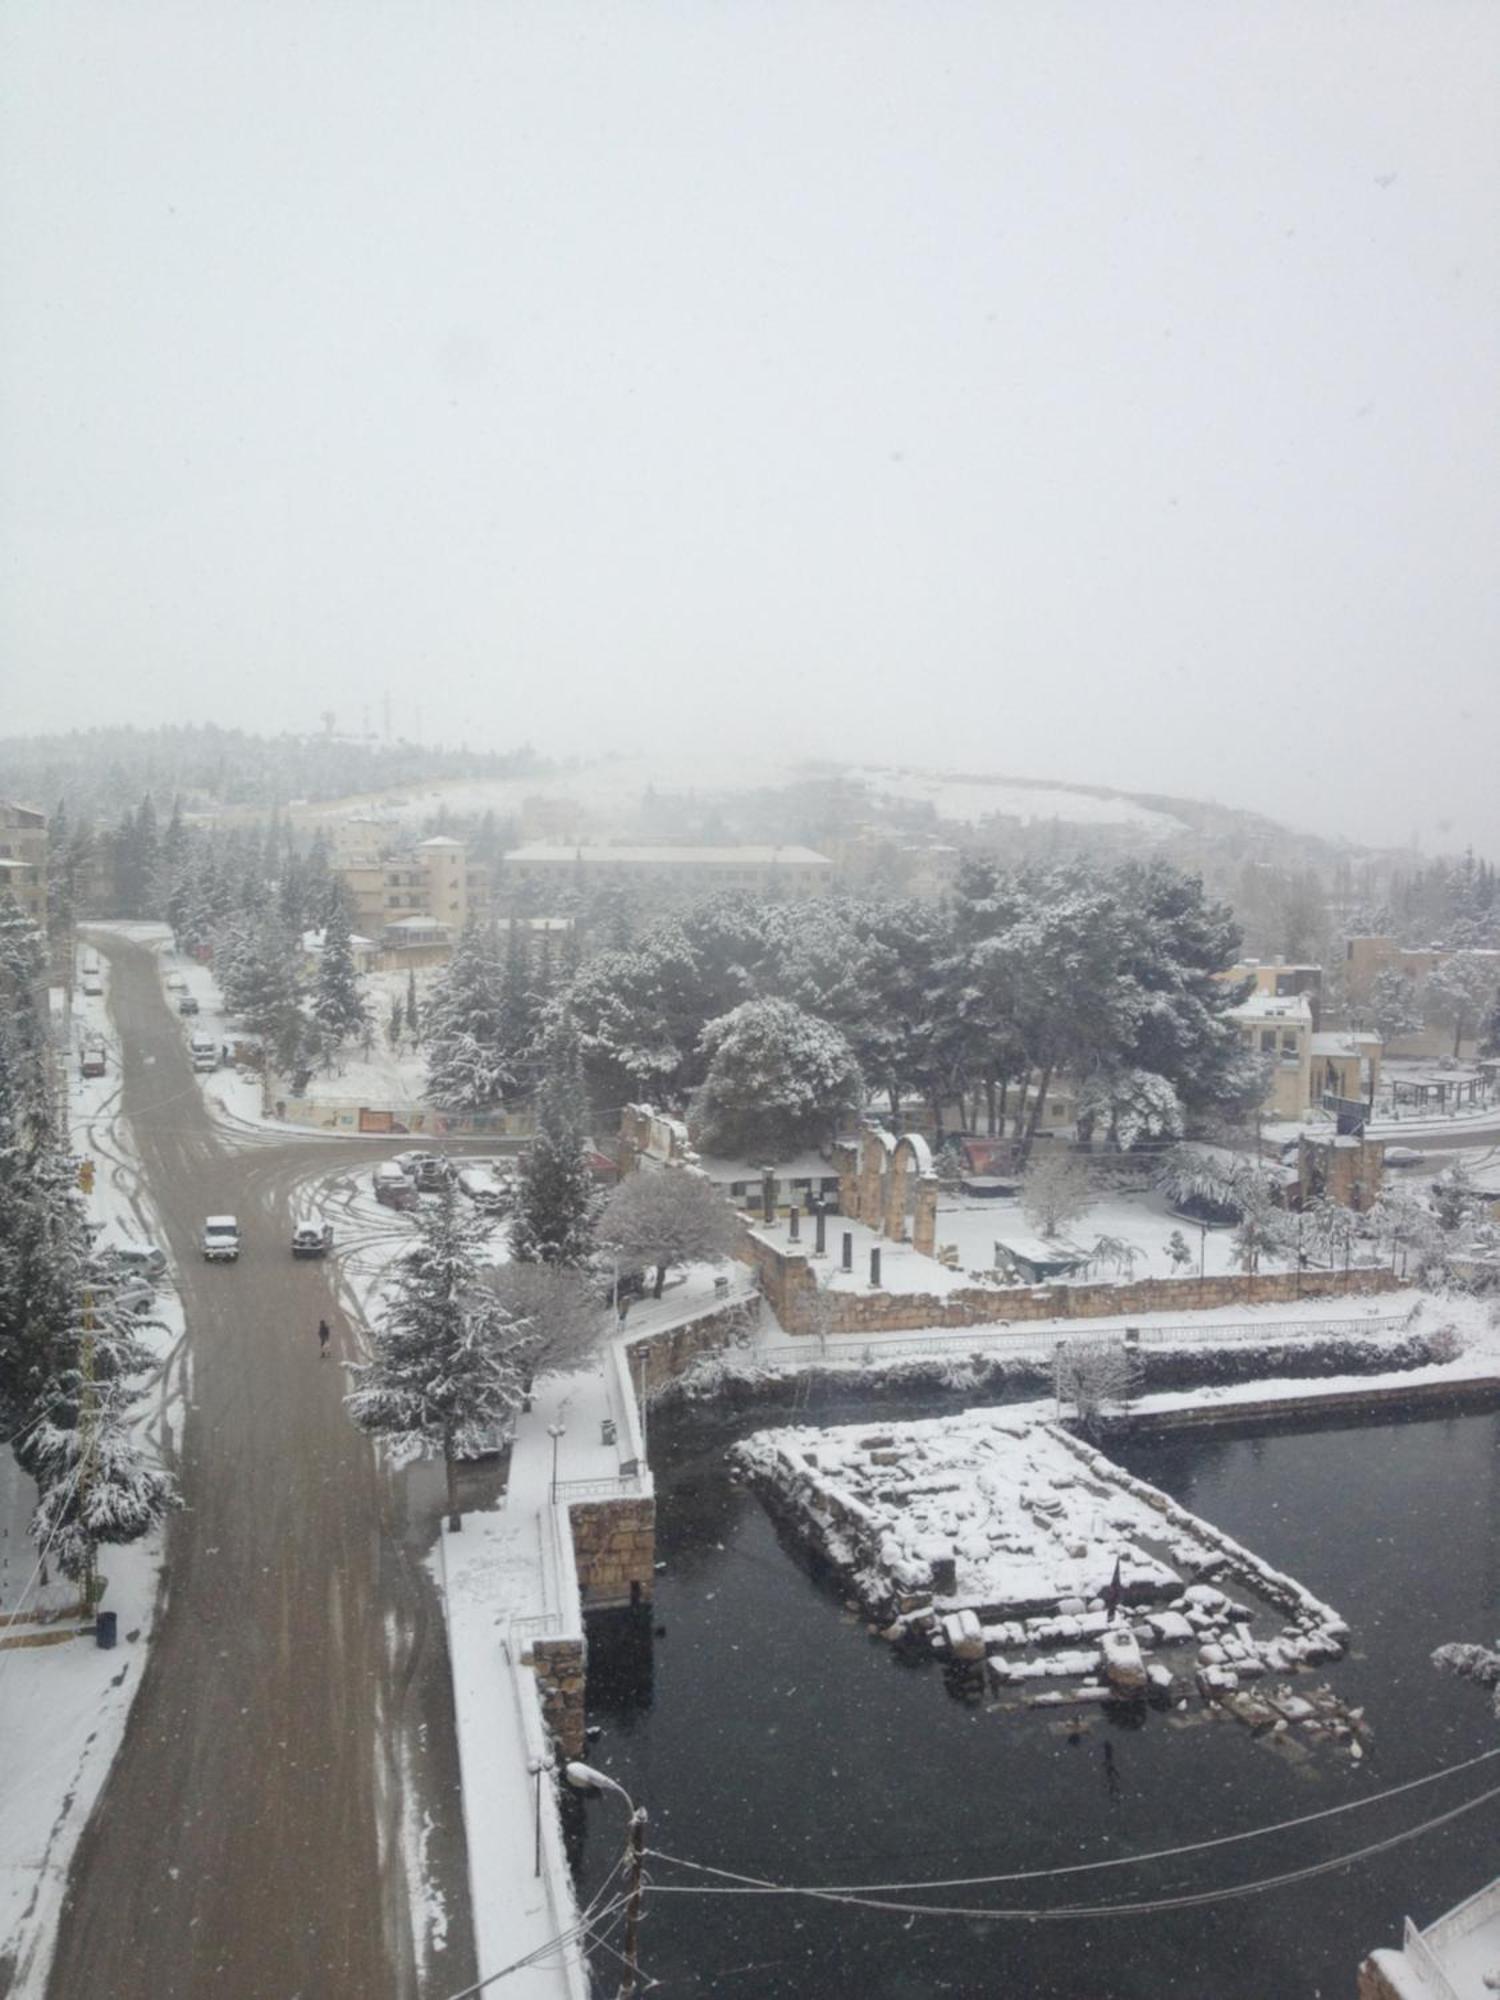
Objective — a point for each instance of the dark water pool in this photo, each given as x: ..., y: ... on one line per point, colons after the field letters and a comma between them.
x: 765, y: 1731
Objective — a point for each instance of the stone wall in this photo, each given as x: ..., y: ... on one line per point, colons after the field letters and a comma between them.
x: 558, y: 1666
x: 665, y: 1356
x: 614, y: 1549
x: 788, y: 1282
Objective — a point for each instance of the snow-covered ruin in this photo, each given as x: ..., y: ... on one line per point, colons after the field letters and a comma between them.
x: 1003, y: 1543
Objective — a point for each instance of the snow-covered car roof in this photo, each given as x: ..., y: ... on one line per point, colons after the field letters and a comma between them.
x: 220, y: 1222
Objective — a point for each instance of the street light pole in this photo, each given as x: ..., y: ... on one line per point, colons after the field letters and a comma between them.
x: 556, y: 1432
x: 586, y: 1778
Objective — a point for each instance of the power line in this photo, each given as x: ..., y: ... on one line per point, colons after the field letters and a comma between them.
x: 1111, y: 1861
x: 1066, y: 1912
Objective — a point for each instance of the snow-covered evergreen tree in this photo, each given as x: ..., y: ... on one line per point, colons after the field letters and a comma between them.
x: 556, y: 1199
x: 447, y: 1358
x: 1132, y: 1105
x: 1460, y: 993
x: 1393, y: 1007
x: 778, y: 1080
x: 466, y: 1066
x: 338, y: 1006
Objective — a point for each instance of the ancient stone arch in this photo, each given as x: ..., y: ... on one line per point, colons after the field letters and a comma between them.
x: 875, y: 1149
x: 909, y: 1157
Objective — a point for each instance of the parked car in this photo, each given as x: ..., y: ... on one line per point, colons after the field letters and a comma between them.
x: 1403, y: 1156
x: 394, y: 1186
x: 93, y: 986
x: 92, y: 1060
x: 428, y: 1171
x: 176, y: 982
x: 132, y: 1294
x: 487, y: 1194
x: 145, y: 1259
x: 204, y: 1051
x: 221, y: 1239
x: 311, y: 1239
x: 187, y: 1003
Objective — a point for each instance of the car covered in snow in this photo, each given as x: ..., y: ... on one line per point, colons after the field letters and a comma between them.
x: 145, y: 1260
x: 221, y: 1239
x: 187, y: 1003
x: 489, y: 1195
x: 312, y: 1239
x: 428, y: 1172
x: 394, y: 1187
x: 1403, y: 1156
x: 93, y: 1060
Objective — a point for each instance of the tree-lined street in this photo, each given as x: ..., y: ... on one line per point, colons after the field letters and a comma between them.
x: 250, y: 1838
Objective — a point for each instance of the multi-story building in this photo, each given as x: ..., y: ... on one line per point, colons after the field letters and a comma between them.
x: 1365, y: 958
x: 434, y: 886
x: 1305, y: 1067
x: 23, y: 859
x: 1278, y: 980
x: 669, y: 873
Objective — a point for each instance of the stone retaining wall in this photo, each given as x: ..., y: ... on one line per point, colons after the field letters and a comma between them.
x: 789, y: 1283
x: 614, y: 1548
x: 665, y: 1356
x: 558, y: 1666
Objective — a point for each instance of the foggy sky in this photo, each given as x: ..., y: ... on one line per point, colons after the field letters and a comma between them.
x: 1093, y: 392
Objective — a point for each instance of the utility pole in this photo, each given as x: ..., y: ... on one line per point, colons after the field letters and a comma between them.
x: 630, y: 1985
x: 88, y: 1425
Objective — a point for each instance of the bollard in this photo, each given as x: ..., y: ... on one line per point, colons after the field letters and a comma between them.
x: 794, y: 1224
x: 822, y: 1227
x: 848, y: 1250
x: 875, y: 1267
x: 767, y: 1196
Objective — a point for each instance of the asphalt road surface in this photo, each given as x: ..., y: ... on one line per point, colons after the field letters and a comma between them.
x: 295, y: 1710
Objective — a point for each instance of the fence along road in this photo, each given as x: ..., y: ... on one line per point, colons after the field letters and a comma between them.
x: 247, y: 1842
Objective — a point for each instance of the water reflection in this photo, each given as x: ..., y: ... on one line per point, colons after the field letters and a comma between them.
x: 768, y: 1732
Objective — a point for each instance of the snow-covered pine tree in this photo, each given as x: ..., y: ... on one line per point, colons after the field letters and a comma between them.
x: 413, y: 1017
x: 338, y: 1006
x: 466, y: 1069
x: 69, y: 1359
x: 447, y: 1358
x: 516, y: 1017
x: 555, y: 1203
x: 778, y: 1079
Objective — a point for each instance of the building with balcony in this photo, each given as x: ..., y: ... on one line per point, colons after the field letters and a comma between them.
x: 23, y: 859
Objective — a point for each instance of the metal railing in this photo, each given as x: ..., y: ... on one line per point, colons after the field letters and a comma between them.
x: 1415, y: 1947
x: 621, y: 1485
x: 811, y: 1350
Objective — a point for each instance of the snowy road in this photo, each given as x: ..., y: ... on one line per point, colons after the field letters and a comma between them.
x: 287, y: 1791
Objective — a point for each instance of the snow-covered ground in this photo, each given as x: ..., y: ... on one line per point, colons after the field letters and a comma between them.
x: 606, y: 795
x: 974, y: 1227
x: 969, y: 800
x: 64, y: 1706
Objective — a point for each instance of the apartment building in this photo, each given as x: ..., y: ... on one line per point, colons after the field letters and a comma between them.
x: 1306, y: 1067
x: 23, y: 858
x: 1365, y: 958
x: 433, y: 887
x: 667, y: 872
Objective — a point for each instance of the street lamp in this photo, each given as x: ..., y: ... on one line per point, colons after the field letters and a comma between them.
x: 586, y: 1778
x: 538, y: 1767
x: 556, y: 1432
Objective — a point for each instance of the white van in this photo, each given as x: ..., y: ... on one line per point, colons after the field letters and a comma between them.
x: 221, y: 1239
x: 204, y: 1051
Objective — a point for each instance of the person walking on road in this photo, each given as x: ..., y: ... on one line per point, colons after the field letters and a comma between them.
x: 323, y: 1339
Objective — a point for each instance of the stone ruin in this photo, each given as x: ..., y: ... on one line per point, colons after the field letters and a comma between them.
x: 889, y: 1185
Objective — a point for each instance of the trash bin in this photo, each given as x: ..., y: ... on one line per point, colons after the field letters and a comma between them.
x: 104, y: 1630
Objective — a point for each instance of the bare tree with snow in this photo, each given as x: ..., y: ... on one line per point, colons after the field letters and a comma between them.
x: 667, y: 1219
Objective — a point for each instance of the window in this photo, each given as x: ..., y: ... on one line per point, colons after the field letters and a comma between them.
x: 1268, y: 1041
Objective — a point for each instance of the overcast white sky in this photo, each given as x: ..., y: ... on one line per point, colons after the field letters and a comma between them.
x: 1085, y: 391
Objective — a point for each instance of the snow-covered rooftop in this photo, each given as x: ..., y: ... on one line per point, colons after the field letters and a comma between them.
x: 669, y: 857
x: 1291, y: 1007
